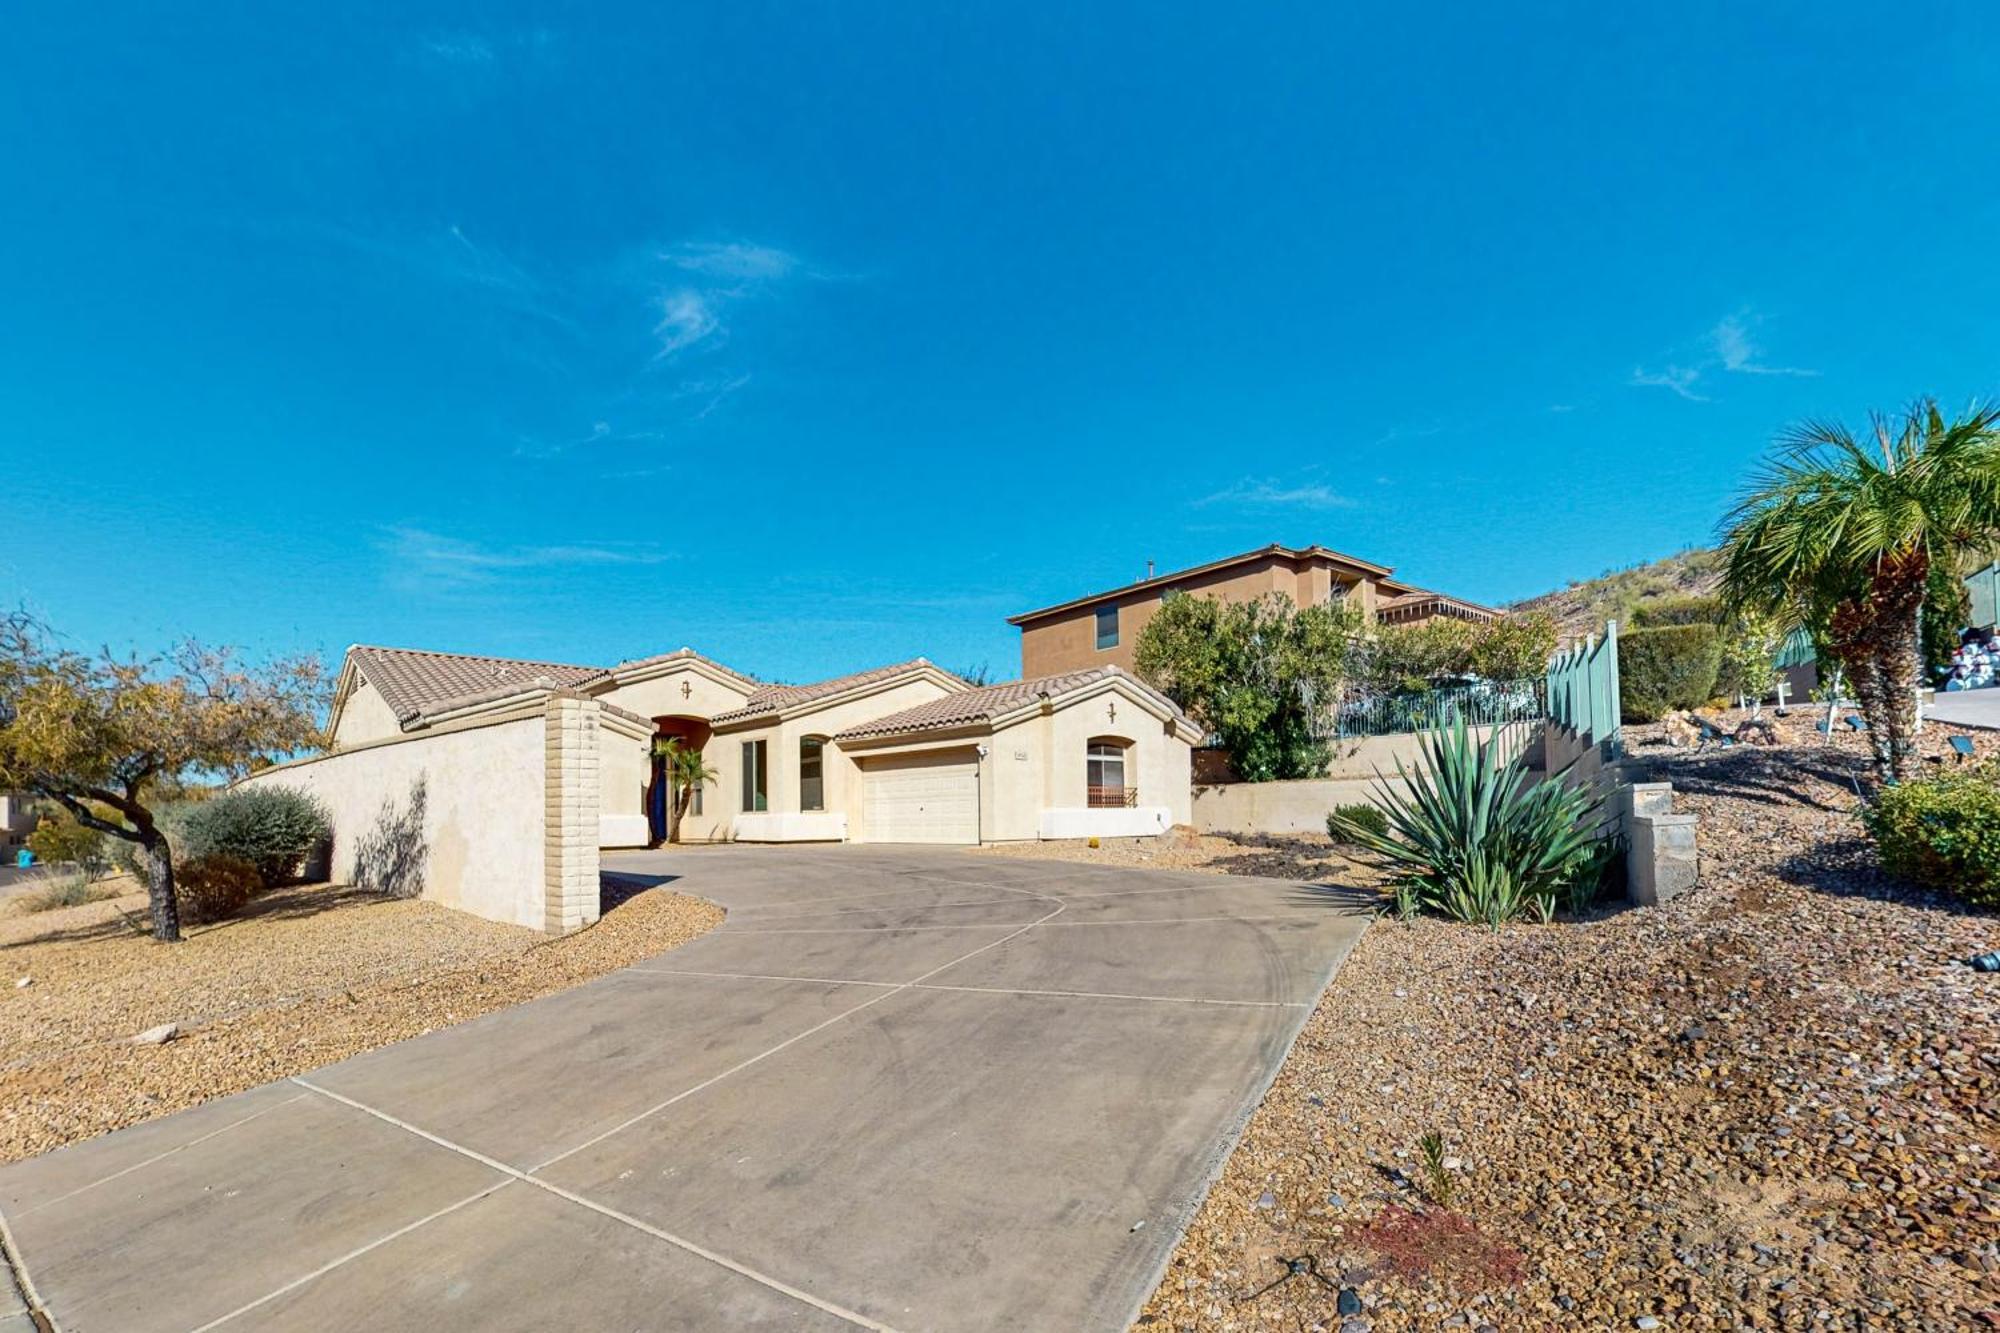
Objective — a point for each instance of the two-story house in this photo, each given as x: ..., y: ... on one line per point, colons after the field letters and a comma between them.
x: 1102, y: 628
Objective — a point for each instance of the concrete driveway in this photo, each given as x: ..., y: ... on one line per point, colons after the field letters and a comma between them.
x: 899, y: 1088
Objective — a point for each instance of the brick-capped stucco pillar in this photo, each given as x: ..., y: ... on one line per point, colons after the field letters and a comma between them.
x: 569, y: 835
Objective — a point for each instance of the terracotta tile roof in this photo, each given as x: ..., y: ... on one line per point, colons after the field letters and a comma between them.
x: 990, y: 701
x: 680, y: 655
x: 1276, y: 550
x: 415, y: 682
x: 768, y: 699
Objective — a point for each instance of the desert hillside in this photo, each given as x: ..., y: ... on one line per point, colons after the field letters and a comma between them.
x: 1584, y: 606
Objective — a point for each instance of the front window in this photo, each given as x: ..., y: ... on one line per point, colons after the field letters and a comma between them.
x: 1107, y: 627
x: 1105, y: 774
x: 812, y: 771
x: 756, y: 791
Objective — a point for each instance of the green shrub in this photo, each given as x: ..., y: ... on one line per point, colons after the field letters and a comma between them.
x: 1472, y: 839
x: 1659, y: 670
x: 61, y: 840
x: 273, y: 828
x: 1943, y: 832
x: 1660, y: 612
x: 1359, y: 814
x: 1514, y: 647
x: 214, y: 888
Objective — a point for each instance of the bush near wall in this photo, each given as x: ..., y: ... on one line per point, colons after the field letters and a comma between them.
x: 214, y: 888
x: 1668, y: 668
x: 1942, y: 832
x: 271, y: 828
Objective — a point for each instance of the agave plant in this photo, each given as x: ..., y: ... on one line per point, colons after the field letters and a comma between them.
x: 1473, y: 838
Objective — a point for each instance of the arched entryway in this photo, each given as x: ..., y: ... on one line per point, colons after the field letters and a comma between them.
x: 691, y: 732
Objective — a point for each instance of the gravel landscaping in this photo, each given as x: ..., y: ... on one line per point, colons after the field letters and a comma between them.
x: 305, y: 976
x: 1770, y: 1104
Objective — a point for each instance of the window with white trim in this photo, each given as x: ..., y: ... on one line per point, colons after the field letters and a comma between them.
x: 1104, y: 775
x: 756, y: 780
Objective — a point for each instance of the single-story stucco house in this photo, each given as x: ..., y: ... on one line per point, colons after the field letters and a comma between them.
x: 900, y: 753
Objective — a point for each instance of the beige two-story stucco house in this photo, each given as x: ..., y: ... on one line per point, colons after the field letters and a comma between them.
x: 900, y: 753
x: 1101, y: 629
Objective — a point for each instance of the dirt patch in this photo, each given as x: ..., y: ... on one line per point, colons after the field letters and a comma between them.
x: 1306, y: 856
x: 306, y: 976
x: 1774, y: 1103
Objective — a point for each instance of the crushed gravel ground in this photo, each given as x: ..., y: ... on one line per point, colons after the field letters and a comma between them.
x: 1772, y: 1104
x: 306, y: 976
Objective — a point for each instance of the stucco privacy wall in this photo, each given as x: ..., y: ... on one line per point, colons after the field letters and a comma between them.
x: 1302, y: 806
x: 495, y: 815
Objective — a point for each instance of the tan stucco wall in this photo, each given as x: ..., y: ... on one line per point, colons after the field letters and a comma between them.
x: 365, y: 716
x: 1302, y: 806
x: 1068, y: 642
x: 661, y: 696
x: 486, y: 804
x: 842, y: 779
x: 1039, y: 762
x: 625, y: 766
x: 1280, y: 807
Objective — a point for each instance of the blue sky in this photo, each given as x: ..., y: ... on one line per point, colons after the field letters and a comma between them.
x: 821, y: 335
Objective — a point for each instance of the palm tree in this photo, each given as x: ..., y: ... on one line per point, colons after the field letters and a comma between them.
x: 1842, y: 536
x: 686, y: 771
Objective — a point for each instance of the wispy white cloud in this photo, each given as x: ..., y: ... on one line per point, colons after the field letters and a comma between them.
x: 1678, y: 379
x: 687, y: 317
x: 460, y: 48
x: 1264, y: 492
x: 600, y: 433
x: 1560, y: 409
x: 1728, y: 347
x: 709, y: 393
x: 710, y: 278
x: 420, y: 557
x: 1738, y: 352
x: 737, y: 261
x: 482, y: 55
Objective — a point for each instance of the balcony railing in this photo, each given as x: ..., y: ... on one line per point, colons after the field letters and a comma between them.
x: 1113, y: 798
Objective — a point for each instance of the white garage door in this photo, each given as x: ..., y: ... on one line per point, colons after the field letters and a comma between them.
x: 921, y: 798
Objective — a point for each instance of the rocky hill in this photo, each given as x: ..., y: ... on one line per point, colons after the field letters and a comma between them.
x: 1584, y: 606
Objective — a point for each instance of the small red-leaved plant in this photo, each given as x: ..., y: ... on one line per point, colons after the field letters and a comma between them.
x: 1442, y: 1244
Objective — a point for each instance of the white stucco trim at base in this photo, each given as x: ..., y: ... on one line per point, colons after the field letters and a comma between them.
x: 1143, y: 821
x: 777, y: 826
x: 624, y: 831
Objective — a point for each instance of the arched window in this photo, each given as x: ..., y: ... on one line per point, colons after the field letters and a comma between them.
x: 1104, y: 768
x: 812, y: 773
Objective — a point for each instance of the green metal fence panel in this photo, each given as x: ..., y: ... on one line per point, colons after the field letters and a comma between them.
x: 1795, y: 651
x: 1582, y: 688
x: 1984, y: 589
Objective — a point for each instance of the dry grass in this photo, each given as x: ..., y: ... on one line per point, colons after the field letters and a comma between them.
x: 306, y: 976
x: 61, y: 889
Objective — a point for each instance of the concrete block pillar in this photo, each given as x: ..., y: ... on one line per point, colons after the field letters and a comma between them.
x: 569, y: 834
x: 1663, y: 862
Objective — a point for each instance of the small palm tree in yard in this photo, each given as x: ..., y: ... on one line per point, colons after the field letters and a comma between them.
x: 1842, y: 535
x: 1472, y: 838
x: 686, y: 772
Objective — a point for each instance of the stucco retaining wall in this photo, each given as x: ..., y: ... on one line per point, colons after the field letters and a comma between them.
x: 1301, y: 806
x: 496, y: 815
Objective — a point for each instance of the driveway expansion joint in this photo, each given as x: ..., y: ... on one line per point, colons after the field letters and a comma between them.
x: 527, y: 1178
